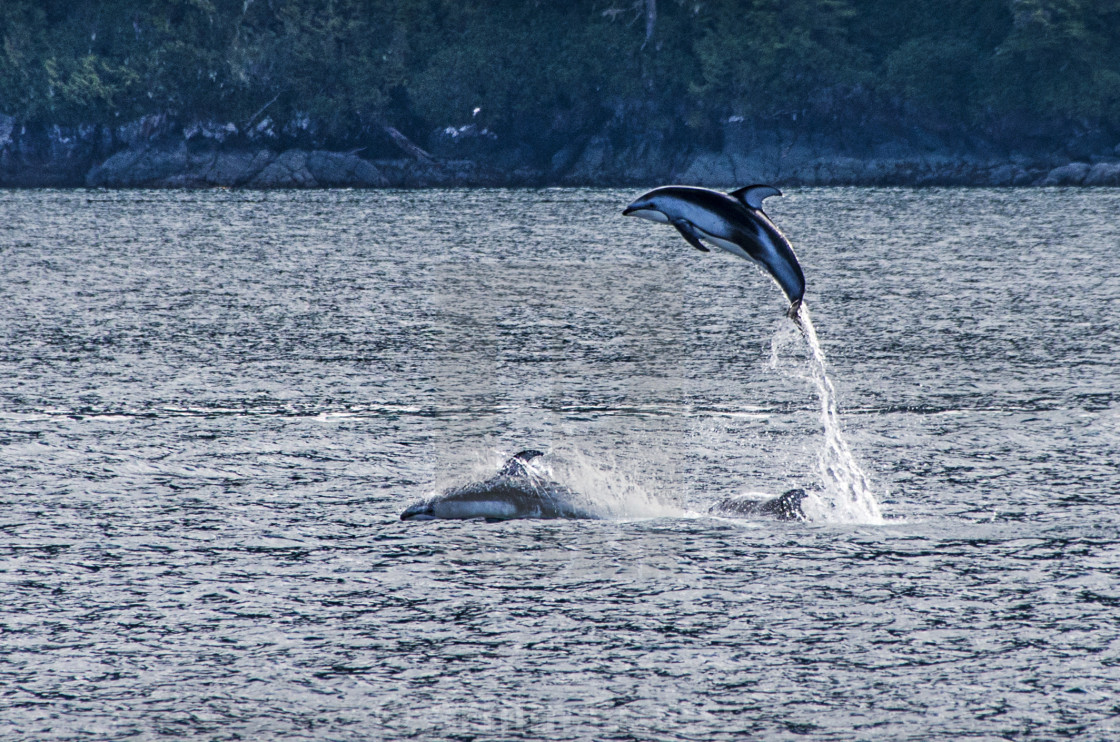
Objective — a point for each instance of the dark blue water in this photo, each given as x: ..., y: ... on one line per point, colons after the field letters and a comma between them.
x: 215, y: 405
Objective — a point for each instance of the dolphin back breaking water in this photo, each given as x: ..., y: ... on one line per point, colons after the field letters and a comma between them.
x: 517, y: 491
x: 520, y: 490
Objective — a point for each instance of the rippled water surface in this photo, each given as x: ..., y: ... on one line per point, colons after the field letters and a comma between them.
x: 215, y: 405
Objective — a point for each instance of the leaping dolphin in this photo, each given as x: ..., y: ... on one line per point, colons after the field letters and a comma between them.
x: 734, y: 222
x: 514, y: 492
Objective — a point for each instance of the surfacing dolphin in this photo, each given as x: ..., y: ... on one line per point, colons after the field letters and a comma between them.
x: 517, y: 491
x: 734, y: 222
x: 784, y: 507
x: 514, y: 492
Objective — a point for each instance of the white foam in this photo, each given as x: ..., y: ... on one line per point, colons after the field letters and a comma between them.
x: 604, y: 488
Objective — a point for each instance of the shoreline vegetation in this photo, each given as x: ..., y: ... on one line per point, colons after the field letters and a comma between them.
x: 433, y: 93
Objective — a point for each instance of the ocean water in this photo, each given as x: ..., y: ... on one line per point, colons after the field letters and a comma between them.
x: 215, y: 405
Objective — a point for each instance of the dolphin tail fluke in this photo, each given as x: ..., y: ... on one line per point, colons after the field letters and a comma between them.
x: 794, y: 313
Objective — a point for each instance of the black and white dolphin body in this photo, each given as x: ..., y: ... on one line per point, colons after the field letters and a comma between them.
x: 732, y: 221
x: 784, y: 507
x: 514, y: 492
x: 517, y: 491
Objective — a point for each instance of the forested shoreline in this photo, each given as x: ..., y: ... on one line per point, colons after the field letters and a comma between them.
x: 433, y: 92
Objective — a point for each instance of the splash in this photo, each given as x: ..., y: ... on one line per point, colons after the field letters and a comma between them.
x: 604, y: 487
x: 846, y: 496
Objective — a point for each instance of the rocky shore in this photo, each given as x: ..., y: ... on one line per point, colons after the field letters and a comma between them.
x: 158, y: 152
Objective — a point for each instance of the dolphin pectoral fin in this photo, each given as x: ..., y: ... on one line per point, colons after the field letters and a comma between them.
x: 689, y: 233
x: 753, y: 195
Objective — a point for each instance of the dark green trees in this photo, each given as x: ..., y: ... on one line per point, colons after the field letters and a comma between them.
x: 536, y: 66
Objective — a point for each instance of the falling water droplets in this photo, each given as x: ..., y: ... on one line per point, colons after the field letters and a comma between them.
x: 846, y: 495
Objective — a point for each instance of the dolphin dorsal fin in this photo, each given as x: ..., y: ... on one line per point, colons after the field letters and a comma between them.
x: 515, y: 467
x: 753, y: 195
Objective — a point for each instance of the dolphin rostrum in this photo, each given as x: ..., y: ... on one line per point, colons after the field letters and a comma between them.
x: 517, y: 491
x: 734, y: 222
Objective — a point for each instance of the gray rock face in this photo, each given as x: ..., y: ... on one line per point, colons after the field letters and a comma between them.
x: 1103, y: 174
x: 289, y: 170
x: 463, y: 142
x: 158, y: 151
x: 565, y: 157
x: 598, y: 162
x: 807, y: 168
x: 1009, y: 175
x: 711, y: 169
x: 338, y: 169
x: 139, y: 168
x: 592, y: 164
x: 210, y: 130
x: 143, y: 131
x: 48, y: 155
x: 230, y: 169
x: 177, y: 167
x: 1071, y: 174
x: 7, y: 126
